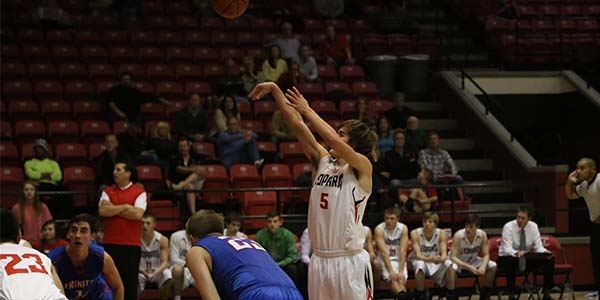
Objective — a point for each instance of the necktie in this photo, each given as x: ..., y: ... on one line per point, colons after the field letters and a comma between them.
x: 522, y: 247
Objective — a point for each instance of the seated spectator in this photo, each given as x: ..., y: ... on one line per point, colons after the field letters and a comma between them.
x: 124, y: 100
x: 154, y: 264
x: 31, y: 213
x: 280, y: 130
x: 227, y: 109
x: 398, y: 114
x: 336, y: 48
x: 192, y: 121
x: 287, y: 42
x: 231, y: 80
x: 400, y: 164
x: 274, y: 66
x: 281, y: 245
x: 391, y: 237
x: 132, y: 143
x: 308, y: 64
x: 237, y: 146
x: 416, y: 138
x: 179, y: 245
x: 162, y: 143
x: 83, y: 267
x: 439, y: 161
x: 185, y: 173
x: 385, y: 135
x: 105, y: 162
x: 292, y: 78
x: 251, y: 76
x: 520, y: 238
x: 233, y: 222
x: 52, y: 16
x: 46, y: 174
x: 329, y: 8
x: 420, y: 199
x: 49, y: 240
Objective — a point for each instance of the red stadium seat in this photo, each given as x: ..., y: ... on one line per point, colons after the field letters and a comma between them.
x: 94, y: 130
x: 70, y: 154
x: 245, y: 110
x: 220, y: 38
x: 313, y: 25
x: 23, y: 110
x: 205, y: 55
x: 360, y: 26
x: 291, y: 153
x: 207, y: 149
x: 335, y: 123
x: 153, y: 110
x: 49, y: 89
x: 136, y: 70
x: 73, y: 70
x: 151, y: 54
x: 43, y: 71
x: 80, y: 178
x: 365, y: 89
x: 278, y: 175
x: 13, y: 69
x: 11, y: 51
x: 119, y: 127
x: 201, y: 88
x: 65, y: 53
x: 297, y: 170
x: 244, y: 176
x: 527, y: 11
x: 263, y: 110
x: 16, y: 88
x: 347, y: 107
x: 122, y: 54
x: 257, y: 204
x: 87, y: 37
x: 94, y: 54
x: 160, y: 23
x: 262, y: 25
x: 94, y: 150
x: 548, y: 10
x: 188, y: 71
x: 570, y: 10
x: 102, y: 71
x: 9, y: 155
x: 327, y: 72
x: 212, y: 23
x: 589, y: 25
x: 380, y: 106
x: 351, y: 73
x: 216, y: 178
x: 88, y: 109
x: 212, y: 71
x: 179, y: 54
x: 186, y: 22
x: 29, y: 129
x: 105, y: 21
x: 112, y: 37
x: 35, y: 52
x: 565, y: 25
x: 77, y: 89
x: 57, y: 109
x: 27, y: 151
x: 145, y: 87
x: 231, y: 52
x: 267, y: 150
x: 237, y: 24
x: 151, y: 177
x: 171, y: 90
x: 63, y: 131
x: 337, y: 88
x: 254, y: 126
x: 30, y: 35
x: 561, y: 266
x: 249, y: 39
x: 325, y: 109
x: 311, y: 89
x: 11, y: 181
x: 160, y: 72
x: 195, y: 38
x: 165, y: 38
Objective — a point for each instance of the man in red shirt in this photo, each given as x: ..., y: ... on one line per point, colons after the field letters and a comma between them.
x: 337, y: 48
x: 122, y: 205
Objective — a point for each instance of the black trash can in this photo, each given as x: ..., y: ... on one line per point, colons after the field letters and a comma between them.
x: 382, y: 70
x: 413, y: 76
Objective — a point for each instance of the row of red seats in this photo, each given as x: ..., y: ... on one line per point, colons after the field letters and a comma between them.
x: 568, y: 10
x: 49, y: 70
x: 562, y: 25
x: 78, y: 89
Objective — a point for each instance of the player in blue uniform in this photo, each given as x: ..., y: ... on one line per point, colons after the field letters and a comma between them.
x: 86, y: 271
x: 231, y: 268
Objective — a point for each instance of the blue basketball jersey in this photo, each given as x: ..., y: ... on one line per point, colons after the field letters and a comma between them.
x: 88, y: 283
x: 241, y: 268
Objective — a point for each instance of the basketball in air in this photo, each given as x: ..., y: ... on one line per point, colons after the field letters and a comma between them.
x: 230, y: 9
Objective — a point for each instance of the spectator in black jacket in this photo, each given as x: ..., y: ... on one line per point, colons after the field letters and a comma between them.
x: 185, y: 172
x: 192, y: 121
x: 133, y: 144
x: 399, y: 113
x: 105, y: 162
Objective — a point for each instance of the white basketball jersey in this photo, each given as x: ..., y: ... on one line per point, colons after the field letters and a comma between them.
x: 25, y: 274
x: 336, y: 208
x: 469, y: 251
x: 151, y: 254
x: 429, y: 247
x: 392, y: 240
x: 366, y: 229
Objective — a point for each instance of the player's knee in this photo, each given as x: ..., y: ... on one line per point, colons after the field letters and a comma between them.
x: 177, y: 271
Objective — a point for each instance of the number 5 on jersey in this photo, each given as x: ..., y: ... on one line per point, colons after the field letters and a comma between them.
x: 324, y: 201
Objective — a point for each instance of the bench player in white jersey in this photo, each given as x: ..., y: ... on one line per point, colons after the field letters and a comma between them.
x: 339, y: 267
x: 25, y: 273
x: 391, y: 237
x: 179, y: 245
x: 155, y: 258
x: 429, y: 257
x: 466, y: 246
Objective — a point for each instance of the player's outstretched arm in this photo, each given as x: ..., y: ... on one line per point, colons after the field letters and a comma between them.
x: 113, y: 278
x: 356, y: 160
x: 312, y: 149
x: 199, y: 262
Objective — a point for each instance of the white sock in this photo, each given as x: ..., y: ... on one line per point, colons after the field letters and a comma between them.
x: 177, y: 297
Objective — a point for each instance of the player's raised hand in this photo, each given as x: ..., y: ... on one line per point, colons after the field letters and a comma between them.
x: 297, y: 101
x: 260, y: 90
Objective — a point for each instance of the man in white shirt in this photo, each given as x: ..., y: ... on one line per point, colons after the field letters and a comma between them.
x: 179, y: 245
x: 391, y: 238
x: 585, y: 182
x: 25, y: 273
x: 520, y: 237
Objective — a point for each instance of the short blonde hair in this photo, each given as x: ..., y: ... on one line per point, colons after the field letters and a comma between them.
x: 159, y: 125
x: 431, y: 216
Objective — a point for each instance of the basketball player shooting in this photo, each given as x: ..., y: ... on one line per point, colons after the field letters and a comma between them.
x: 339, y: 267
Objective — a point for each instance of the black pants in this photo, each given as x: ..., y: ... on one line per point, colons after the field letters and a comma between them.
x: 296, y: 272
x: 510, y: 266
x: 127, y: 261
x: 595, y: 248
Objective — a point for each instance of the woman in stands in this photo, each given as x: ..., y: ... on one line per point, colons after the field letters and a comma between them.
x: 31, y: 212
